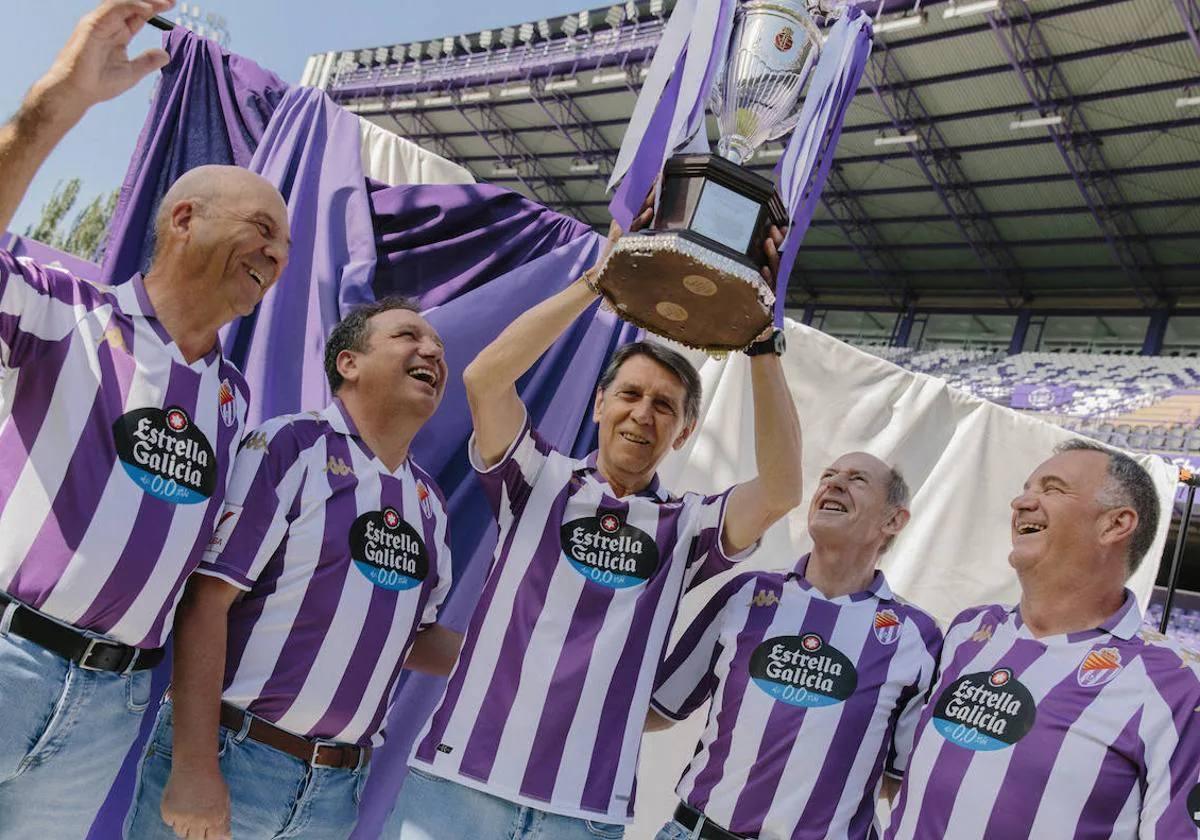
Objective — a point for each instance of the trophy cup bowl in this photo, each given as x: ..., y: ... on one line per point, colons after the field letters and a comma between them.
x: 694, y: 276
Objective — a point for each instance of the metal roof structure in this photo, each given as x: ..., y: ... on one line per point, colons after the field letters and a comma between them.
x: 998, y: 153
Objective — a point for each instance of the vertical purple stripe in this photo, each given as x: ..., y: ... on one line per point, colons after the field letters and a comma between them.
x: 1119, y: 772
x: 784, y: 726
x: 479, y: 754
x: 639, y: 652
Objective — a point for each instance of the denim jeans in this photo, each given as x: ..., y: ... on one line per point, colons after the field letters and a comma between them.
x: 272, y: 794
x: 64, y: 732
x: 431, y: 808
x: 673, y: 831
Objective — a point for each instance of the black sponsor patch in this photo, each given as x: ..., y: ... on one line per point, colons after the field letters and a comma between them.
x: 803, y: 671
x: 388, y: 550
x: 987, y: 710
x: 609, y: 552
x: 1193, y: 805
x: 166, y: 455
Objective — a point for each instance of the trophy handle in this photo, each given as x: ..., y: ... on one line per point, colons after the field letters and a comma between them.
x: 785, y: 127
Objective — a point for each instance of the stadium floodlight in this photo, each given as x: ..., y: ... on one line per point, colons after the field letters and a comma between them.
x: 476, y: 96
x: 485, y: 39
x: 898, y: 139
x: 526, y: 33
x: 1035, y: 122
x: 616, y: 14
x: 436, y: 101
x: 364, y: 57
x: 606, y: 78
x: 585, y: 21
x: 900, y: 23
x: 631, y: 11
x: 504, y: 171
x: 448, y: 45
x: 399, y: 53
x: 584, y: 167
x: 570, y: 26
x: 508, y: 36
x: 515, y: 90
x: 1187, y: 101
x: 543, y: 28
x: 434, y: 49
x: 970, y: 8
x: 415, y: 50
x: 381, y: 55
x: 562, y: 84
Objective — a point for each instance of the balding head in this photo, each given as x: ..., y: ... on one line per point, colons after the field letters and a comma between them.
x: 214, y: 184
x: 859, y: 500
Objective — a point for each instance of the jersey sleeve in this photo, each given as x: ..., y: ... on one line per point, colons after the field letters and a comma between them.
x: 687, y: 678
x: 1171, y: 800
x: 38, y: 305
x: 265, y: 479
x: 926, y: 646
x: 707, y: 557
x: 509, y: 481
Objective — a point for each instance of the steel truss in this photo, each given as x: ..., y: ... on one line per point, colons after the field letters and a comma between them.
x: 854, y: 223
x: 940, y: 166
x: 1043, y: 81
x: 576, y: 127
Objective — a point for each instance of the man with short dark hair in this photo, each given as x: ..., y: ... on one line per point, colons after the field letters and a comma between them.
x: 119, y: 422
x: 541, y: 722
x: 816, y: 678
x: 324, y: 578
x: 1062, y: 716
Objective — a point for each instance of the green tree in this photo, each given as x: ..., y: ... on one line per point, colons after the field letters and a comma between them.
x: 90, y: 228
x: 53, y: 212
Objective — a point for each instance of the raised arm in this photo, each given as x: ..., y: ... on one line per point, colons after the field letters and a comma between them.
x: 91, y: 68
x: 757, y: 504
x: 491, y: 379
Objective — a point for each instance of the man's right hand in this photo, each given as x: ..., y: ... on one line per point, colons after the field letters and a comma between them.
x: 196, y: 805
x: 94, y: 66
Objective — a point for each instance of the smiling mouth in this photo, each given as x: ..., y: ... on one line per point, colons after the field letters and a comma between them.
x: 424, y: 375
x: 256, y: 277
x: 635, y: 439
x: 1030, y: 528
x: 831, y: 505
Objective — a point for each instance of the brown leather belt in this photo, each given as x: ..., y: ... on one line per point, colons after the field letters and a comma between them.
x: 313, y: 750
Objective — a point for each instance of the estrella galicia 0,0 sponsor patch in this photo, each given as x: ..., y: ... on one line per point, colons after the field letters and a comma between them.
x: 609, y: 552
x: 388, y: 550
x: 988, y: 710
x: 166, y: 455
x: 803, y: 671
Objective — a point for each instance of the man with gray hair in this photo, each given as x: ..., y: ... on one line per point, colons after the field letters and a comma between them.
x: 119, y: 421
x: 816, y: 678
x: 1062, y: 716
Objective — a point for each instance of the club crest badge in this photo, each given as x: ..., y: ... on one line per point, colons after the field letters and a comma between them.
x: 1098, y: 667
x: 887, y: 627
x: 423, y: 499
x: 227, y: 403
x: 785, y: 39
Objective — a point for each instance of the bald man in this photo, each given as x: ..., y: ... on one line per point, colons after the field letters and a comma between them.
x: 816, y: 678
x: 119, y: 420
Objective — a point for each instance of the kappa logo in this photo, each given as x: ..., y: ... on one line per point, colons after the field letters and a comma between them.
x: 227, y: 403
x: 887, y: 627
x: 764, y: 598
x: 338, y: 467
x: 114, y: 339
x: 1099, y: 667
x: 982, y: 634
x: 257, y: 440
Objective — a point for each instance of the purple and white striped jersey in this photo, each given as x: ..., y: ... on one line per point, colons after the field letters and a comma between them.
x: 548, y: 700
x: 813, y: 698
x: 1084, y: 735
x: 114, y: 452
x: 342, y: 563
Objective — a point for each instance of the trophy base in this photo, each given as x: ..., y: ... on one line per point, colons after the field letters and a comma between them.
x: 675, y: 286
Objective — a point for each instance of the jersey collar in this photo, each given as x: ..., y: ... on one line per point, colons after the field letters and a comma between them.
x: 878, y: 587
x: 1123, y: 624
x: 588, y: 467
x: 133, y: 300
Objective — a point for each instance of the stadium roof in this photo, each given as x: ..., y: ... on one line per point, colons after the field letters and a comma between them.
x: 1101, y: 207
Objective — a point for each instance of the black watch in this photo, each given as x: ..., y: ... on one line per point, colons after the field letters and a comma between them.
x: 774, y: 343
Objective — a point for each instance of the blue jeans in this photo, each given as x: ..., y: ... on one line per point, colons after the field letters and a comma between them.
x: 431, y: 808
x: 64, y: 732
x: 272, y: 794
x: 673, y: 831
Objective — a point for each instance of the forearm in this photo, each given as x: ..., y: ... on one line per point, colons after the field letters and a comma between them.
x: 777, y: 439
x: 201, y: 629
x: 26, y: 141
x: 434, y: 651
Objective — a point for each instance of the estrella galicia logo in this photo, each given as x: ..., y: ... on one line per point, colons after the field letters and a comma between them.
x: 803, y: 671
x: 1193, y: 805
x: 608, y: 552
x: 388, y: 550
x: 985, y: 711
x: 166, y: 455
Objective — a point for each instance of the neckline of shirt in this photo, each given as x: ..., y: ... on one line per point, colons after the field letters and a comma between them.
x: 589, y: 466
x: 1123, y: 624
x: 135, y: 301
x: 339, y: 419
x: 877, y: 589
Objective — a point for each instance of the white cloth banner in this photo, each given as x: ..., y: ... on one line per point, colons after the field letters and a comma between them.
x: 393, y: 160
x: 964, y: 459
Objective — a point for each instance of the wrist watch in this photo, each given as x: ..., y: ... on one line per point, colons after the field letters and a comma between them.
x: 774, y: 343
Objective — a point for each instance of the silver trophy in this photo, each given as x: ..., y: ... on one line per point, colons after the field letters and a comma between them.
x: 694, y: 275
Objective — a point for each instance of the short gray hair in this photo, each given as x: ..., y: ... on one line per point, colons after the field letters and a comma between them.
x: 669, y: 359
x: 898, y: 497
x: 1129, y: 485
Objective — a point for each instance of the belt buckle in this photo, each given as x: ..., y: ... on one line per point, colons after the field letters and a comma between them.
x: 94, y: 644
x: 314, y: 760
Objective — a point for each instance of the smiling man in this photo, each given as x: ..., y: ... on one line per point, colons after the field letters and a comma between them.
x: 1061, y: 716
x: 119, y: 421
x: 538, y: 733
x: 324, y: 578
x: 816, y: 677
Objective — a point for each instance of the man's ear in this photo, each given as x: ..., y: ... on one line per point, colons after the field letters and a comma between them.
x: 347, y: 365
x: 1118, y: 524
x: 683, y: 436
x: 182, y: 216
x: 597, y: 405
x: 896, y: 522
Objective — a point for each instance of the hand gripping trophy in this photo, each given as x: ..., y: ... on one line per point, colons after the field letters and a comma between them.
x: 694, y: 275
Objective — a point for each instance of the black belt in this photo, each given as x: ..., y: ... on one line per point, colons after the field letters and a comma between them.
x: 88, y: 652
x: 687, y: 816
